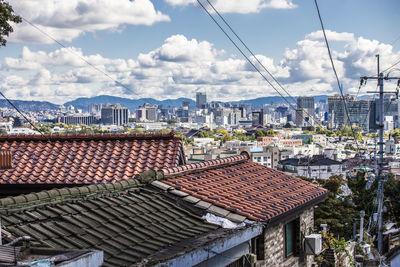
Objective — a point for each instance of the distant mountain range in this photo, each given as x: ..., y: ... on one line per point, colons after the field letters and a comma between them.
x: 29, y: 105
x: 133, y: 104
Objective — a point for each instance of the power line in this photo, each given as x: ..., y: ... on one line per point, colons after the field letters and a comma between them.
x: 395, y: 40
x: 243, y: 54
x: 397, y: 62
x: 247, y: 58
x: 75, y: 54
x: 336, y: 75
x: 30, y: 122
x: 248, y: 49
x: 23, y: 115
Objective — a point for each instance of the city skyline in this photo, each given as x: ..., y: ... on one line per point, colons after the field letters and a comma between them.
x: 169, y: 49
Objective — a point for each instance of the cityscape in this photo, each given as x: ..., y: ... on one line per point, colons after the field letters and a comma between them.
x: 133, y: 134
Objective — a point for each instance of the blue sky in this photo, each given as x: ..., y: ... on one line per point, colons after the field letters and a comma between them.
x: 171, y: 48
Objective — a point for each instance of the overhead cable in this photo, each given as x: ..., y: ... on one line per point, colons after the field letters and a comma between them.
x: 336, y: 75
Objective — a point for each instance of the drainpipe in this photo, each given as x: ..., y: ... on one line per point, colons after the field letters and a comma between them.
x: 362, y: 214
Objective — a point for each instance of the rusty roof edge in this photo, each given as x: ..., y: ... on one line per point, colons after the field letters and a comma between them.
x: 201, y: 204
x: 10, y: 204
x: 205, y: 165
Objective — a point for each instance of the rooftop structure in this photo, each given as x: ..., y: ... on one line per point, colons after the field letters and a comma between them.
x: 252, y: 190
x: 85, y: 159
x: 155, y: 218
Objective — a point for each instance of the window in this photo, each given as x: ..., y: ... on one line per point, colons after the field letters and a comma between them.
x: 292, y: 240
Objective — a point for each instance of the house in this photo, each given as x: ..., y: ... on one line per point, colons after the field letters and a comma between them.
x: 283, y: 203
x: 129, y: 222
x: 169, y: 217
x: 317, y: 167
x: 41, y: 162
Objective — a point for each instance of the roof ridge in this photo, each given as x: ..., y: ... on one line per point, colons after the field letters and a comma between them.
x: 107, y: 136
x: 65, y: 194
x: 70, y: 193
x: 205, y: 165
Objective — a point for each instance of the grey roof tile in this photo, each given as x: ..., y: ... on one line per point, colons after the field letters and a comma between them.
x: 128, y: 225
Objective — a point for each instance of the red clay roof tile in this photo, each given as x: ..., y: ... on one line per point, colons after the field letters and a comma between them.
x: 85, y: 159
x: 243, y: 187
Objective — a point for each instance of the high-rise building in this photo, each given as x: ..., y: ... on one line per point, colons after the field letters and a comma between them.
x: 147, y: 112
x: 201, y: 100
x: 95, y: 109
x: 78, y: 119
x: 305, y: 111
x: 391, y: 107
x: 358, y: 112
x: 114, y: 114
x: 257, y: 118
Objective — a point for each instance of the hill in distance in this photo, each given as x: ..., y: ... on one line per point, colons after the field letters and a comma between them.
x: 29, y: 105
x: 133, y: 104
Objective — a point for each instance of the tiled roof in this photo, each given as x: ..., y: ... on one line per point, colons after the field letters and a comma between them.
x: 87, y: 159
x: 130, y: 222
x: 238, y: 185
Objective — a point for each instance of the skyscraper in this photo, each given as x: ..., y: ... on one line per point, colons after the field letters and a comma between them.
x: 201, y: 100
x: 358, y: 112
x: 147, y: 112
x: 114, y: 114
x: 305, y: 111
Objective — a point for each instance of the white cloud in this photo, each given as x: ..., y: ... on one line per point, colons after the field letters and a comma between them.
x: 66, y: 20
x: 181, y: 66
x: 238, y: 6
x: 69, y: 56
x: 331, y: 36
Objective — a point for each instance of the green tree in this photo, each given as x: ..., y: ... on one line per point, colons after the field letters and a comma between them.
x: 226, y: 136
x: 362, y: 197
x: 7, y: 15
x: 392, y: 198
x: 395, y: 132
x: 336, y: 211
x: 17, y: 122
x: 259, y: 133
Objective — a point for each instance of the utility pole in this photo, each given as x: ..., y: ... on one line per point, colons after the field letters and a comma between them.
x: 380, y: 78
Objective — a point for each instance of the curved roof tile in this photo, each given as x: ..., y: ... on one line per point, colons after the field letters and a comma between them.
x: 83, y: 158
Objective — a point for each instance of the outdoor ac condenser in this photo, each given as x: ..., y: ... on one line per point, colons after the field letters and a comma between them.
x: 313, y: 244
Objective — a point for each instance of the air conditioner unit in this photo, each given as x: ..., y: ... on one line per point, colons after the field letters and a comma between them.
x: 313, y: 244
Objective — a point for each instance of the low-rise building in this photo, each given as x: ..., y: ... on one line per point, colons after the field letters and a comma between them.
x: 216, y: 213
x: 317, y: 167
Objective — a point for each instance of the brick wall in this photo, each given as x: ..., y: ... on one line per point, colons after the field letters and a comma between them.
x: 274, y: 242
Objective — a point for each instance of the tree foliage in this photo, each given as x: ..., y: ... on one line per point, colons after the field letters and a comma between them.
x: 362, y: 197
x: 7, y: 15
x: 336, y: 211
x: 392, y: 199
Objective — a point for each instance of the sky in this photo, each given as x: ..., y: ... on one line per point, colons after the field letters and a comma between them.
x: 171, y: 48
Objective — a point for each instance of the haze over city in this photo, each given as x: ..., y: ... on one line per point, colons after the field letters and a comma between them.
x: 171, y: 48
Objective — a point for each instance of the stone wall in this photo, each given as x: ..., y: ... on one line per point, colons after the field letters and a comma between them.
x: 274, y: 241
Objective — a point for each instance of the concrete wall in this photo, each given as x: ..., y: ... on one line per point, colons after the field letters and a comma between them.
x: 274, y: 242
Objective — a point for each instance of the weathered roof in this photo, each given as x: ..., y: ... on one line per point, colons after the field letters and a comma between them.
x: 87, y: 159
x: 246, y: 188
x: 130, y: 222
